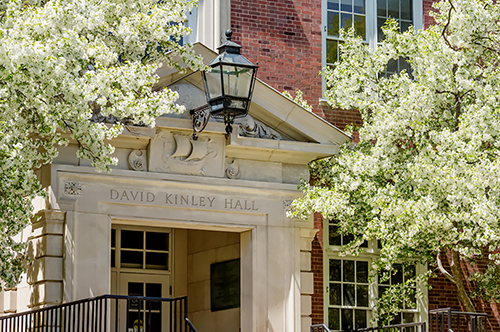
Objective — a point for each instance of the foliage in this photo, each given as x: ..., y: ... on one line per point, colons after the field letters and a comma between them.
x: 424, y: 177
x: 60, y: 60
x: 299, y: 99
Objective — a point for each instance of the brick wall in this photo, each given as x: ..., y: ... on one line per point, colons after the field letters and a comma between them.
x: 284, y: 37
x: 427, y: 7
x: 317, y: 269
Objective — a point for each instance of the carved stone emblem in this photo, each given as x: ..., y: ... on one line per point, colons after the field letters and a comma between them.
x: 232, y: 169
x: 72, y: 188
x: 137, y: 160
x: 177, y: 152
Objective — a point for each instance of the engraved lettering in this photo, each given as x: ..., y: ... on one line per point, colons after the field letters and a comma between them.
x: 202, y: 201
x: 112, y: 194
x: 211, y: 200
x: 192, y: 201
x: 150, y: 197
x: 142, y: 196
x: 238, y: 203
x: 124, y: 195
x: 253, y: 206
x: 230, y: 203
x: 167, y: 200
x: 175, y: 198
x: 132, y: 194
x: 247, y: 207
x: 185, y: 199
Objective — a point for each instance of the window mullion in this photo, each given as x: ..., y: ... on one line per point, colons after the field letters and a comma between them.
x: 371, y: 23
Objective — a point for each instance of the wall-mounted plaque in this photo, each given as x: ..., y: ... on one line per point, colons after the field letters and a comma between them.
x: 225, y: 285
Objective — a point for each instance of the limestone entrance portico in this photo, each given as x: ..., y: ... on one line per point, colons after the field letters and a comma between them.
x: 217, y: 199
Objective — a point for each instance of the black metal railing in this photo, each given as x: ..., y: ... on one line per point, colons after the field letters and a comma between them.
x: 406, y: 327
x: 319, y: 328
x: 440, y: 320
x: 446, y: 320
x: 105, y: 313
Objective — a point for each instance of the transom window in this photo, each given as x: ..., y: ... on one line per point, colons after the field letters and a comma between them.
x: 134, y: 249
x: 337, y: 239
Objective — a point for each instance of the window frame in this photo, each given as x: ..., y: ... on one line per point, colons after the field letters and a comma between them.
x: 143, y: 270
x: 367, y: 254
x: 371, y: 26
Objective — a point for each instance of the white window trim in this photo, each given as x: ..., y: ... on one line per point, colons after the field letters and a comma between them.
x: 368, y: 254
x: 192, y: 22
x: 371, y: 25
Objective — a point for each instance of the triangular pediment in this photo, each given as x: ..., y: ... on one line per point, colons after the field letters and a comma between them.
x: 275, y: 123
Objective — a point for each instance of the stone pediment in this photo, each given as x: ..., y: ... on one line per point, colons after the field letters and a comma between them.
x: 274, y: 142
x: 271, y: 115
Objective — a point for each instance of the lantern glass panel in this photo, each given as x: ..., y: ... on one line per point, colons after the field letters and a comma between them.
x: 214, y: 84
x: 237, y: 81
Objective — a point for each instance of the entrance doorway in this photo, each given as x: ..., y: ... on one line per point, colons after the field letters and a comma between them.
x: 141, y: 266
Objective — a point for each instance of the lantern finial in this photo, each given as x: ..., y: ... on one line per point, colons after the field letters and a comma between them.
x: 229, y: 34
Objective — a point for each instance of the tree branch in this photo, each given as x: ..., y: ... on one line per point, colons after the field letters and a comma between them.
x: 442, y: 269
x: 443, y: 33
x: 462, y: 293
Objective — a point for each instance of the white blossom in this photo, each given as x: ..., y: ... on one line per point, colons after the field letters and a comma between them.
x: 59, y: 61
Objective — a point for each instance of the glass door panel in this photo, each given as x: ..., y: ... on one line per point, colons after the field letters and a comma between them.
x: 144, y: 316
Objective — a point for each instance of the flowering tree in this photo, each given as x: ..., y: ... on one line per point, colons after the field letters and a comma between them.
x: 60, y: 62
x: 423, y: 178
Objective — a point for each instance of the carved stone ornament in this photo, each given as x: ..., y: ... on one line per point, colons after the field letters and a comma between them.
x: 137, y: 160
x: 232, y: 169
x: 178, y: 152
x: 72, y: 188
x: 250, y: 127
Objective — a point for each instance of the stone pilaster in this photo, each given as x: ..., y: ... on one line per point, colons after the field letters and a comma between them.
x: 45, y: 273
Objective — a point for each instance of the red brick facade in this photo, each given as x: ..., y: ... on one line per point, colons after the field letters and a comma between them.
x: 317, y: 268
x: 284, y: 37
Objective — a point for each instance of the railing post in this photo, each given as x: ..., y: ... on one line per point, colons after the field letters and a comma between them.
x: 185, y: 313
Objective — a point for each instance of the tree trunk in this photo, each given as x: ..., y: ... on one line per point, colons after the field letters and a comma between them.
x: 458, y: 276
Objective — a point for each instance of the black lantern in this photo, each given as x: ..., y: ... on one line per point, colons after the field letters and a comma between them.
x: 228, y: 86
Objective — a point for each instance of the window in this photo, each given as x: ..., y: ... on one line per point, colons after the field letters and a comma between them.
x: 401, y: 274
x: 137, y: 249
x: 349, y: 295
x: 367, y: 18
